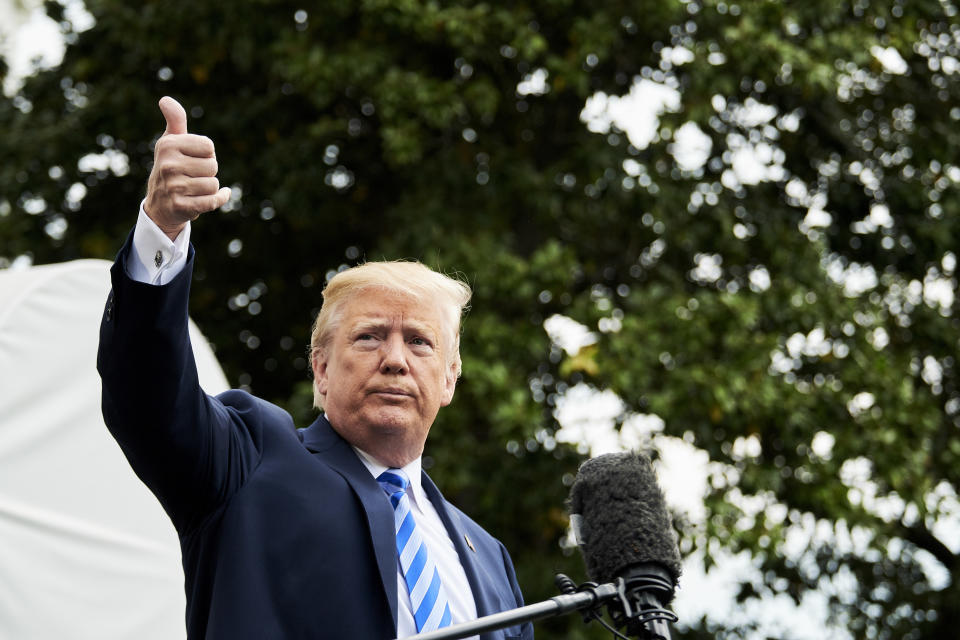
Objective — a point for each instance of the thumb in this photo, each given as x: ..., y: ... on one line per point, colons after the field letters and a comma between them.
x: 174, y: 114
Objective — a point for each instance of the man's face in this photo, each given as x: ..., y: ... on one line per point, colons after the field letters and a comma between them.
x: 385, y: 374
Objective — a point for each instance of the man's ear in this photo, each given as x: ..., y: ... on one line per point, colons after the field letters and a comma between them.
x: 319, y: 365
x: 449, y: 385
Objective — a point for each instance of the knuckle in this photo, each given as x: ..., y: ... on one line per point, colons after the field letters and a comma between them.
x: 206, y: 144
x: 167, y: 144
x: 168, y: 169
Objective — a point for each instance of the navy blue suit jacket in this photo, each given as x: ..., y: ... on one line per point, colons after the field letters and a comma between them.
x: 283, y: 532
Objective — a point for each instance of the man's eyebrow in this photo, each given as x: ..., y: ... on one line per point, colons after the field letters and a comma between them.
x: 420, y: 327
x: 369, y: 322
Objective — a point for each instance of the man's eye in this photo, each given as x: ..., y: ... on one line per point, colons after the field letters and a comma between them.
x: 419, y: 341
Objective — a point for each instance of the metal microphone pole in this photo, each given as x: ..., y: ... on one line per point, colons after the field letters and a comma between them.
x: 634, y: 601
x: 558, y: 605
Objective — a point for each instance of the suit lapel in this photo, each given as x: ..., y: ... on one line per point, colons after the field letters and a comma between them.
x: 477, y: 575
x: 320, y: 438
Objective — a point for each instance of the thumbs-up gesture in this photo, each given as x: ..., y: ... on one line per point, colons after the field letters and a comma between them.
x: 183, y: 182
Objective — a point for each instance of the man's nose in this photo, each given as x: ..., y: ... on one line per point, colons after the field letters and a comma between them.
x: 394, y: 358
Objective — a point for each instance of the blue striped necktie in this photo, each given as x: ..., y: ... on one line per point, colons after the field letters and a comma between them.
x: 427, y: 597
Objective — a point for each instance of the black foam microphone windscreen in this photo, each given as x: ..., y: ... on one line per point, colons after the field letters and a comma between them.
x: 622, y: 518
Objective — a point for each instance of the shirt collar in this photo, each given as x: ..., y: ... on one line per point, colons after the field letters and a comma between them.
x: 411, y: 469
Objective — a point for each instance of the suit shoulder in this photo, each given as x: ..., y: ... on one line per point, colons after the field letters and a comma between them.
x: 247, y: 407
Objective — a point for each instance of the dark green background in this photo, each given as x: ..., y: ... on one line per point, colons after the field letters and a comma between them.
x: 539, y: 215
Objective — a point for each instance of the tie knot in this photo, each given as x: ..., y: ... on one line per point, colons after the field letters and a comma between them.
x: 393, y: 481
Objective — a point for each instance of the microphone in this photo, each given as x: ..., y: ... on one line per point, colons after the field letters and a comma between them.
x: 624, y: 532
x: 620, y: 521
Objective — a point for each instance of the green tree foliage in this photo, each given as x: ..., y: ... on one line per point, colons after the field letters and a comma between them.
x: 797, y: 321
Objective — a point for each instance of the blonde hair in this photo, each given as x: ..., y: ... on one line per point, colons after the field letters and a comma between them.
x: 406, y: 278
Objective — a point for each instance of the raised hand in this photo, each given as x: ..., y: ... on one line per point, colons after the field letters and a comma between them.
x: 183, y: 182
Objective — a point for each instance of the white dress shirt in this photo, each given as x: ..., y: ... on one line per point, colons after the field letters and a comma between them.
x: 157, y: 261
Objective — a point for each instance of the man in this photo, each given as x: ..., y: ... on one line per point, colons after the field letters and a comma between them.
x: 332, y: 531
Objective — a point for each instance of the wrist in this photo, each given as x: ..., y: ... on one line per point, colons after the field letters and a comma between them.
x: 171, y: 230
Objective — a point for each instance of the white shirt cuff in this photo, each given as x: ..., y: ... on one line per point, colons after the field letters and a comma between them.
x: 157, y: 259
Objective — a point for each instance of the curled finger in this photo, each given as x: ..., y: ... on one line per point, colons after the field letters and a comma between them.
x: 201, y: 186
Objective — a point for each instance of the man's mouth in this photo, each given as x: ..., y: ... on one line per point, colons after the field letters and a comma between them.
x: 394, y: 392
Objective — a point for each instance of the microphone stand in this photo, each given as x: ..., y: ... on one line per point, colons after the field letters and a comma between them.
x: 637, y: 608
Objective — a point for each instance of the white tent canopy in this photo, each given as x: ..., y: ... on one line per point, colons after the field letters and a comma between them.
x: 85, y: 549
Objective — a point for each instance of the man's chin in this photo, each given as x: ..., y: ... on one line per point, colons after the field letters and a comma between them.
x: 389, y: 420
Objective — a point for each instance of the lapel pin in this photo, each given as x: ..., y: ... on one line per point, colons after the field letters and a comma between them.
x: 469, y: 544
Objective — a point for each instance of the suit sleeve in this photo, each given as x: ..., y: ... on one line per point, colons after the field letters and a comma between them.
x: 190, y: 449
